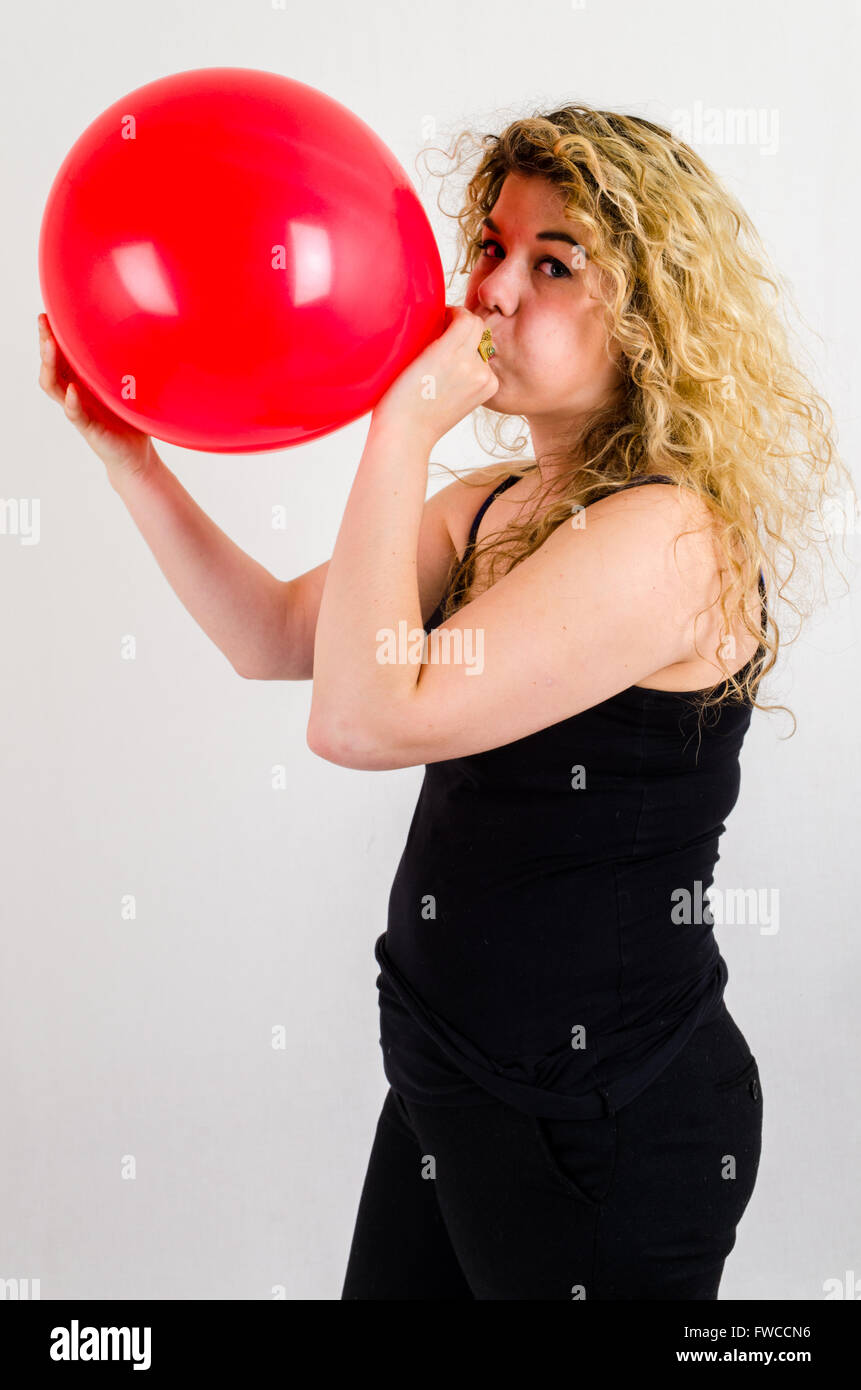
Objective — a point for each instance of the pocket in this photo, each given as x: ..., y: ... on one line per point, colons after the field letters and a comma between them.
x: 721, y: 1049
x: 738, y: 1118
x: 580, y: 1155
x: 746, y: 1077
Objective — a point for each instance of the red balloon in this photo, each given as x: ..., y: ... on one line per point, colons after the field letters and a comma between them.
x: 233, y: 261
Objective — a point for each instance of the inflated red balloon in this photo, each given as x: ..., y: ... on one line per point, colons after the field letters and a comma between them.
x: 233, y: 261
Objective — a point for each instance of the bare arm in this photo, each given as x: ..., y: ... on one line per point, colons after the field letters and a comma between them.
x: 239, y: 604
x: 293, y: 657
x: 264, y: 626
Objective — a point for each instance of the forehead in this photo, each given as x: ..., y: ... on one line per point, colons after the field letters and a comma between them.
x: 527, y: 204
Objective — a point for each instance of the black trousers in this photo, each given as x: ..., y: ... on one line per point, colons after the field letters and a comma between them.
x: 487, y: 1202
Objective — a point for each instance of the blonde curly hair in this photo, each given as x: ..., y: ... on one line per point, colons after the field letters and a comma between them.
x: 712, y: 396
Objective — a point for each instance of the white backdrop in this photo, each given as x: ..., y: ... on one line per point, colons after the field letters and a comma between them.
x: 152, y: 777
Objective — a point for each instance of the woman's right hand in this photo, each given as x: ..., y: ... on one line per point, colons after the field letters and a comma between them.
x: 121, y: 447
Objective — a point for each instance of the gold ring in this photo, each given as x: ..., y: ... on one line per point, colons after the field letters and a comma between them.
x: 485, y: 347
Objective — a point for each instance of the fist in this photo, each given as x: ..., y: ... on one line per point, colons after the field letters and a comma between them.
x: 445, y: 383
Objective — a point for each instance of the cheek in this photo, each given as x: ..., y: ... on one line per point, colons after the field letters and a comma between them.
x: 554, y: 343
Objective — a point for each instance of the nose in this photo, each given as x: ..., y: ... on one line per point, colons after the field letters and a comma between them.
x: 497, y: 290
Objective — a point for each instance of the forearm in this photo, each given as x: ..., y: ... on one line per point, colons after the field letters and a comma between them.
x: 235, y: 600
x: 371, y: 587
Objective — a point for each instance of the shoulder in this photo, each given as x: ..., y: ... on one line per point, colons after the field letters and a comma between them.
x: 663, y: 527
x: 669, y: 503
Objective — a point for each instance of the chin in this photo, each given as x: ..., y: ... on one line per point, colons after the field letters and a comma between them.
x: 504, y: 402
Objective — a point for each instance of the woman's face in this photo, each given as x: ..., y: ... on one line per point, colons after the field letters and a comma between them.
x: 538, y: 296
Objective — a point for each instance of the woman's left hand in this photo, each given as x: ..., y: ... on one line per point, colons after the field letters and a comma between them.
x: 441, y: 386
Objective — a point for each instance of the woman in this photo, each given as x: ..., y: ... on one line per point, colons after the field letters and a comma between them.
x: 572, y: 1111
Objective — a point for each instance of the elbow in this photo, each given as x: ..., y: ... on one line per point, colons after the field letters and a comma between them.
x: 277, y: 673
x: 348, y: 746
x: 317, y: 740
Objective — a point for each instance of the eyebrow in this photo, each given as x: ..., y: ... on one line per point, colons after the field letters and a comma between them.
x: 539, y: 236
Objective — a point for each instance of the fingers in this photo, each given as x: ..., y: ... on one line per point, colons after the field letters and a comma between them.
x: 72, y: 404
x: 456, y: 313
x: 48, y: 371
x: 53, y: 377
x: 52, y: 374
x: 48, y: 353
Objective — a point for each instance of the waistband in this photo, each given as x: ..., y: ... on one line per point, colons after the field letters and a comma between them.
x: 596, y: 1100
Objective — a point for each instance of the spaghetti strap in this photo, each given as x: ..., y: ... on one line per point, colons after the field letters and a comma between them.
x: 514, y: 477
x: 648, y: 478
x: 500, y: 487
x: 436, y: 615
x: 634, y: 482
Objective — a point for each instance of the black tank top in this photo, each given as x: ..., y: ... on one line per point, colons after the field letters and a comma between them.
x: 538, y: 948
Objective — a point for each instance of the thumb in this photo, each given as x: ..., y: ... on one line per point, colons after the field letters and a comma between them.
x: 72, y: 405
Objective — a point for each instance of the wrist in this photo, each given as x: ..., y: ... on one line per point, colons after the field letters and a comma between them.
x: 397, y: 424
x: 134, y: 467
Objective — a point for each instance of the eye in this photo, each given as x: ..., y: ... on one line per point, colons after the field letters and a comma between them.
x: 566, y: 273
